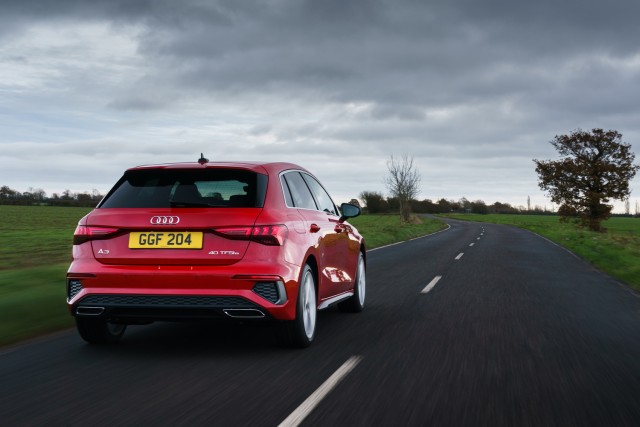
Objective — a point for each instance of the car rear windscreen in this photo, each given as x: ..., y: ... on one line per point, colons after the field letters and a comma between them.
x: 188, y: 188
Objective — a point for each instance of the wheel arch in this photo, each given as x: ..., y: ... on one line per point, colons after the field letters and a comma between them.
x: 313, y: 263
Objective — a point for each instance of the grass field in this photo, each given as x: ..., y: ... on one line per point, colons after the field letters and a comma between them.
x: 36, y: 251
x: 34, y: 257
x: 380, y: 230
x: 616, y: 251
x: 36, y: 235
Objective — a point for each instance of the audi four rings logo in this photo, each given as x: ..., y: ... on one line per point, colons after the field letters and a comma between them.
x: 157, y: 220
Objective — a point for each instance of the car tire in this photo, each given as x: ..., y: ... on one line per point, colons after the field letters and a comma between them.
x: 355, y: 304
x: 99, y: 331
x: 301, y: 331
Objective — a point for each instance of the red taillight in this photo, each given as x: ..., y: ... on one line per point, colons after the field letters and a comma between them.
x: 271, y: 235
x: 85, y: 233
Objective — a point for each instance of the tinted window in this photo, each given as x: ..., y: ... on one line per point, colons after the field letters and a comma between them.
x: 286, y: 192
x: 162, y: 188
x: 300, y: 193
x: 322, y: 197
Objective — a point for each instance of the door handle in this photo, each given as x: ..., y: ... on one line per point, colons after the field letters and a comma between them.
x: 314, y: 228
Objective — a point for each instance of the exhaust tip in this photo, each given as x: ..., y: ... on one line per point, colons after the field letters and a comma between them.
x: 244, y: 313
x: 89, y: 311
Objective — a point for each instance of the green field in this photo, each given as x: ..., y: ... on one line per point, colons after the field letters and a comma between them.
x: 380, y: 230
x: 617, y: 251
x: 34, y: 257
x: 36, y: 235
x: 36, y: 251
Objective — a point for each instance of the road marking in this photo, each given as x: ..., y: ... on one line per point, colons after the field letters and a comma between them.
x: 385, y: 246
x: 478, y: 238
x: 415, y: 238
x: 459, y: 255
x: 431, y: 284
x: 471, y: 244
x: 316, y: 397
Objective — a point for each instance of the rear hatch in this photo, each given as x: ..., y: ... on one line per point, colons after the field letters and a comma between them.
x: 177, y: 217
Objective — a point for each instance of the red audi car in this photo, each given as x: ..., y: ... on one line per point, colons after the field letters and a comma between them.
x: 210, y: 240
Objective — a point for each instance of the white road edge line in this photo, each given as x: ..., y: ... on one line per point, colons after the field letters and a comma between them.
x: 459, y: 255
x: 316, y: 397
x: 404, y: 241
x: 431, y: 284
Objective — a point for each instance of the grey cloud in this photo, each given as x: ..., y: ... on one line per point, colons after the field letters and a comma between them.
x: 341, y: 84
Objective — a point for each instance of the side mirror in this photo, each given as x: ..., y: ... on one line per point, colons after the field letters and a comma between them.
x: 348, y: 211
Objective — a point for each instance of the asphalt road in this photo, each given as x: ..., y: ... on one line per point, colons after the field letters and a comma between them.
x: 516, y: 331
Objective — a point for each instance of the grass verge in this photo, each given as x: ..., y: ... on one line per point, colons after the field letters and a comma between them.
x: 616, y: 251
x: 32, y: 302
x: 380, y: 230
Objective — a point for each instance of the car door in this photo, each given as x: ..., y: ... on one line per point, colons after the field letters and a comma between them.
x: 321, y: 218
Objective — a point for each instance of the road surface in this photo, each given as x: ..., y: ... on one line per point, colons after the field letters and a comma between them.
x: 480, y: 324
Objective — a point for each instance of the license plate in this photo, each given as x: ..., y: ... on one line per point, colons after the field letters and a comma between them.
x: 165, y: 240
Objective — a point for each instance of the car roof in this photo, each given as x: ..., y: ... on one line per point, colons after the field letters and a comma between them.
x: 261, y: 167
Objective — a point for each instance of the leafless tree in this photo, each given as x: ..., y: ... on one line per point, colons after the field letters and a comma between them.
x: 403, y: 182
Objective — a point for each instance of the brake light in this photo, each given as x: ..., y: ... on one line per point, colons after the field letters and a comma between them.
x: 85, y: 233
x: 270, y: 235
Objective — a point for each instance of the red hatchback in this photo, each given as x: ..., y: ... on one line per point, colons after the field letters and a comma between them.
x: 215, y: 240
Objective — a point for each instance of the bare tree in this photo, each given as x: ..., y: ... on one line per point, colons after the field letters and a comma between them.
x: 403, y: 182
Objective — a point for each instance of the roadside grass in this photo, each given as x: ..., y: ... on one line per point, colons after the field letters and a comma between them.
x: 32, y: 302
x: 36, y: 250
x: 616, y: 251
x: 380, y: 230
x: 37, y: 235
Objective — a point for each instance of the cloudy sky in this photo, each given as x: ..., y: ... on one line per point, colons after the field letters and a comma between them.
x: 472, y: 89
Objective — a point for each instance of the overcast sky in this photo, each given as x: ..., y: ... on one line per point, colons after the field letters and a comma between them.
x: 473, y: 89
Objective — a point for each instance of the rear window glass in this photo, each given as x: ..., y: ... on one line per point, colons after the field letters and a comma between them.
x: 163, y: 188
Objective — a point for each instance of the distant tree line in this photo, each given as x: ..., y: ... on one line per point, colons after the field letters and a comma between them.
x: 375, y: 202
x: 37, y: 196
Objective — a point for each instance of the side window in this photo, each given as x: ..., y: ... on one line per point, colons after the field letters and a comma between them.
x: 322, y: 197
x: 300, y: 194
x: 287, y: 193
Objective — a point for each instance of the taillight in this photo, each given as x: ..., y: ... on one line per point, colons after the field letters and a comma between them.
x: 270, y: 235
x: 85, y: 233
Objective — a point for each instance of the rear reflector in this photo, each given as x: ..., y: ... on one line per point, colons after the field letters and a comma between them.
x: 270, y: 235
x: 85, y: 233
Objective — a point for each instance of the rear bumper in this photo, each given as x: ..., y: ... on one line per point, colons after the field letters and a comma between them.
x: 144, y: 308
x: 146, y: 293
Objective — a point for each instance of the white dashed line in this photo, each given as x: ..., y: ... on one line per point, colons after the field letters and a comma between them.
x: 459, y: 255
x: 471, y: 244
x: 478, y: 238
x: 431, y: 284
x: 316, y: 397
